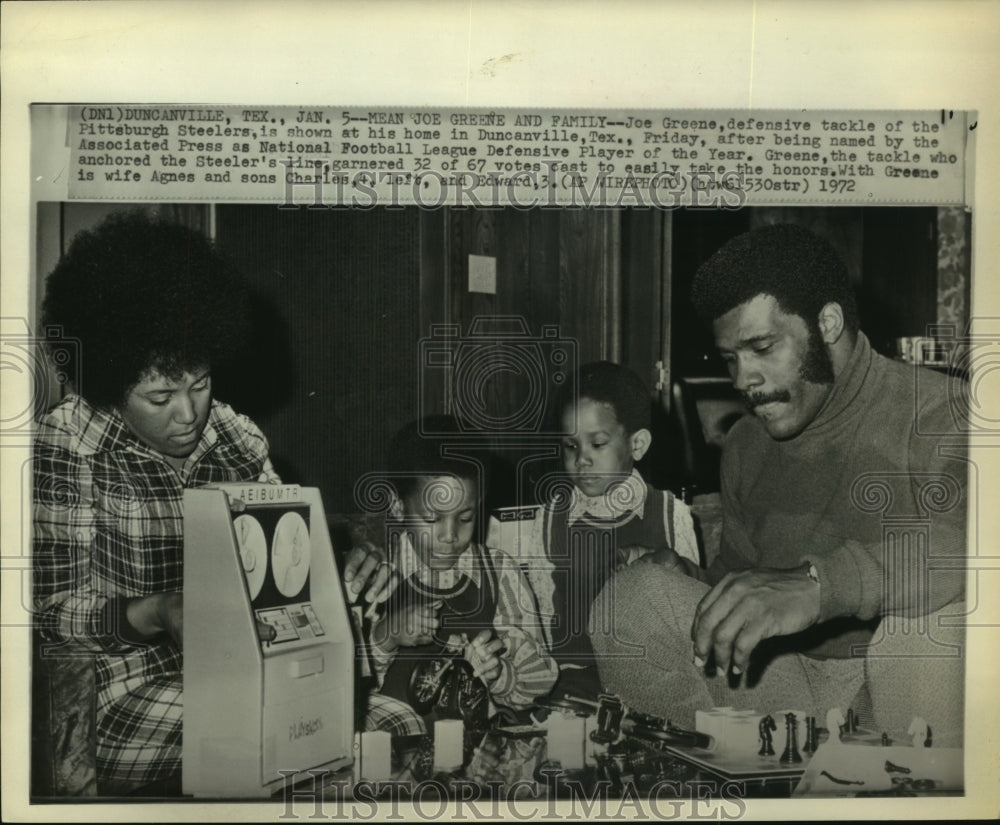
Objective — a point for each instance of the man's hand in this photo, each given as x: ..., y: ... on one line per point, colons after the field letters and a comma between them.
x: 366, y: 569
x: 483, y: 653
x: 415, y: 625
x: 747, y: 607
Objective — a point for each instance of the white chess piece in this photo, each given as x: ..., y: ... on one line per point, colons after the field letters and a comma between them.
x: 834, y: 722
x: 918, y: 730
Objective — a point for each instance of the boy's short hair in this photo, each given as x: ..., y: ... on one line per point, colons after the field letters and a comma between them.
x: 801, y: 270
x: 619, y: 387
x: 417, y: 451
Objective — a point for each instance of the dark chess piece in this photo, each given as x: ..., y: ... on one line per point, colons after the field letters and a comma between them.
x: 791, y: 753
x: 765, y: 727
x: 810, y: 745
x: 852, y: 722
x: 886, y: 741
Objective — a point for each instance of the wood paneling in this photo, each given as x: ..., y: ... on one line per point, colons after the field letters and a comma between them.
x: 558, y: 275
x: 335, y: 367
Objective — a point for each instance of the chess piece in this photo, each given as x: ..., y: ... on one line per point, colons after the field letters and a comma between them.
x: 834, y: 719
x: 886, y: 741
x: 767, y: 724
x: 918, y: 730
x: 791, y: 753
x: 810, y: 744
x: 851, y: 724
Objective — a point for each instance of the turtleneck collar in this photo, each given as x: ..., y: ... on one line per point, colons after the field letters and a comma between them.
x: 846, y: 388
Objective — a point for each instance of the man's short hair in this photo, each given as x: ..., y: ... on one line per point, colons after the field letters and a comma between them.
x: 615, y: 385
x: 419, y: 450
x: 139, y: 293
x: 801, y: 270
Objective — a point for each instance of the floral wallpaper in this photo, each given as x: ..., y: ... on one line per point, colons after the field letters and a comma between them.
x: 953, y: 290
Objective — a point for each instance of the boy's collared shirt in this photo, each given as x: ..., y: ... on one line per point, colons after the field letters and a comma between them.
x: 526, y: 534
x: 622, y: 502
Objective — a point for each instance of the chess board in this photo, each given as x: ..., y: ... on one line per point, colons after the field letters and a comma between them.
x: 740, y: 767
x: 859, y: 763
x: 747, y: 766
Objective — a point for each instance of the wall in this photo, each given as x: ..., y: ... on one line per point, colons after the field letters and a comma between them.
x: 566, y: 270
x: 333, y: 369
x: 346, y: 300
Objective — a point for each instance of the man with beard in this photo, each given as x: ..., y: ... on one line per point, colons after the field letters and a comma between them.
x: 840, y: 569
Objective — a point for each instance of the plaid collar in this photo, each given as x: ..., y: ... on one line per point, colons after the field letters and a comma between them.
x: 620, y: 502
x: 98, y: 430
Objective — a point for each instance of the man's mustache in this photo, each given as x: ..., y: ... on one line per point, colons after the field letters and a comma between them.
x: 756, y: 399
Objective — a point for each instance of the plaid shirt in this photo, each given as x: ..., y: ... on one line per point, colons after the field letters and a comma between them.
x: 108, y: 523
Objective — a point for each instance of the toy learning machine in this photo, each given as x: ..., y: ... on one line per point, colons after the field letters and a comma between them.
x: 260, y: 714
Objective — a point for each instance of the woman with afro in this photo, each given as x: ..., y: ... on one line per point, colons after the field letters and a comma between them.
x: 151, y: 308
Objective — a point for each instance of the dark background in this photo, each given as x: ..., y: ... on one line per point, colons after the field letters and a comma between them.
x: 344, y: 298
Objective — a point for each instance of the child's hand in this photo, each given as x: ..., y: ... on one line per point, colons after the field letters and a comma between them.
x: 665, y: 557
x: 414, y: 625
x: 483, y: 653
x: 366, y: 569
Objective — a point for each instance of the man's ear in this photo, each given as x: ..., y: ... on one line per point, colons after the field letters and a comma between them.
x: 639, y: 442
x: 395, y: 506
x: 831, y: 322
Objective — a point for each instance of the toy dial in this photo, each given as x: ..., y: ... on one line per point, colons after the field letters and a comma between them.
x: 290, y: 554
x: 252, y: 546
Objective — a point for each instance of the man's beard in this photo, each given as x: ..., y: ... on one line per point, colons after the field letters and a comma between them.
x: 817, y: 368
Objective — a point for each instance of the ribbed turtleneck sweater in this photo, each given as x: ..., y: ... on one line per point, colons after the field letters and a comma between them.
x: 873, y: 488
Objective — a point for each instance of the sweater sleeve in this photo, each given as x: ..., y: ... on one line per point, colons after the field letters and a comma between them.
x: 526, y: 669
x: 919, y: 566
x: 736, y: 551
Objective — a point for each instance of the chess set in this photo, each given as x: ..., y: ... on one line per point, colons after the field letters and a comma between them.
x: 607, y: 744
x: 839, y: 759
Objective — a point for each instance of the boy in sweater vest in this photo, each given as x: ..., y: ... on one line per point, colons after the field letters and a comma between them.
x: 600, y: 517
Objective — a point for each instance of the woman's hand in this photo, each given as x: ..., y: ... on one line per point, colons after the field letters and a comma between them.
x: 158, y: 613
x: 164, y: 613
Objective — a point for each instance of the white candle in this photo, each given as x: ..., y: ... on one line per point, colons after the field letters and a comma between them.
x: 742, y: 734
x: 448, y: 744
x: 713, y: 722
x: 565, y: 741
x: 376, y: 755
